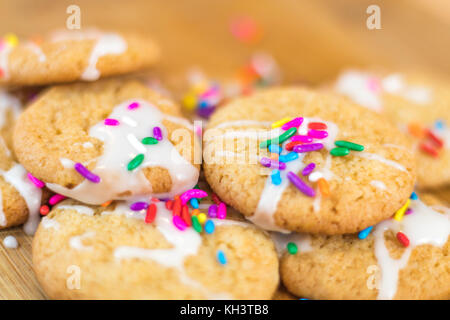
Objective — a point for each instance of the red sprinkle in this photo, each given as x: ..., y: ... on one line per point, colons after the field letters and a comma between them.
x: 176, y: 209
x: 185, y: 215
x: 317, y: 126
x: 290, y: 146
x: 438, y: 141
x: 429, y: 149
x: 216, y: 199
x: 1, y: 72
x: 169, y: 204
x: 403, y: 239
x: 151, y: 213
x: 44, y: 210
x: 154, y: 199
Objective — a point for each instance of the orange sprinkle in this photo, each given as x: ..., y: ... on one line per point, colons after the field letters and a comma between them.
x: 176, y: 208
x: 195, y: 212
x: 324, y: 187
x: 274, y: 156
x: 107, y: 203
x: 416, y: 130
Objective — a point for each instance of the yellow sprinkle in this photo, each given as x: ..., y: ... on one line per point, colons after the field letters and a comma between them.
x: 11, y: 39
x: 202, y: 218
x: 190, y: 101
x: 279, y: 123
x: 401, y: 212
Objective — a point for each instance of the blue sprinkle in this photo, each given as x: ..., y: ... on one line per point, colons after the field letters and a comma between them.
x: 439, y: 124
x: 274, y: 148
x: 414, y: 196
x: 288, y: 157
x: 221, y: 257
x: 194, y: 203
x: 276, y: 178
x: 303, y: 299
x: 209, y: 226
x: 364, y: 233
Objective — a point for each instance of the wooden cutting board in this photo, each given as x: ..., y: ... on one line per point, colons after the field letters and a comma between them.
x: 17, y: 279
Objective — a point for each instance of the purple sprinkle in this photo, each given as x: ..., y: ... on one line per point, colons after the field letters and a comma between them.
x: 86, y: 173
x: 205, y: 112
x: 138, y: 206
x: 317, y: 134
x: 157, y: 133
x: 308, y: 169
x: 212, y: 211
x: 111, y: 122
x: 296, y: 122
x: 308, y: 147
x: 303, y: 187
x: 409, y: 211
x: 133, y: 105
x: 273, y: 164
x: 304, y: 139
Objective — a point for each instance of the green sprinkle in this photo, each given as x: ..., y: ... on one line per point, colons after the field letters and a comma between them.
x: 149, y: 140
x: 283, y: 137
x: 292, y: 248
x: 133, y: 164
x: 196, y: 225
x: 339, y: 152
x: 349, y: 145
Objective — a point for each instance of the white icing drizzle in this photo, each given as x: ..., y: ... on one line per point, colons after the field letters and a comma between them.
x: 377, y: 157
x: 111, y: 166
x: 67, y: 163
x: 184, y: 244
x: 4, y: 57
x: 108, y: 43
x: 366, y: 89
x: 8, y: 103
x: 271, y: 194
x: 36, y: 50
x: 423, y: 226
x: 76, y: 207
x: 76, y: 242
x: 10, y: 242
x: 47, y: 223
x: 302, y: 240
x: 17, y: 177
x: 378, y: 184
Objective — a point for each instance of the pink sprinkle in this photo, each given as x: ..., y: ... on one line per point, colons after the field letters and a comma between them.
x: 317, y: 134
x: 111, y: 122
x: 373, y: 84
x: 157, y: 133
x: 222, y: 211
x: 57, y: 198
x: 38, y: 183
x: 133, y: 105
x: 297, y: 122
x: 192, y: 193
x: 179, y: 223
x: 409, y: 211
x: 304, y: 139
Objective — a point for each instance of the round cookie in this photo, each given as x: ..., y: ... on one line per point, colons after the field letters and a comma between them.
x: 419, y: 105
x: 118, y: 256
x: 364, y: 187
x: 96, y: 142
x: 379, y: 266
x: 20, y: 199
x: 65, y: 56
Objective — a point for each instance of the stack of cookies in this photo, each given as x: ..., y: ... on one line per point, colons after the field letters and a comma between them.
x: 293, y: 185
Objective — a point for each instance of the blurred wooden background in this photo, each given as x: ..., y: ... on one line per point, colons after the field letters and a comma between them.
x: 310, y: 39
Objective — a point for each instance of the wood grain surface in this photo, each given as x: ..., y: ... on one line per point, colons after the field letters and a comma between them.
x: 311, y: 41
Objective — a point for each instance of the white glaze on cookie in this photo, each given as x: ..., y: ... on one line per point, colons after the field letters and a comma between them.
x: 76, y: 242
x: 423, y: 226
x: 4, y: 59
x: 8, y: 104
x: 302, y: 240
x: 184, y: 243
x: 367, y: 89
x: 120, y: 145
